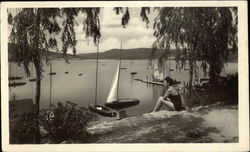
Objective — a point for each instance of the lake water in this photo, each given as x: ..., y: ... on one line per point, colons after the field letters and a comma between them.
x: 81, y: 89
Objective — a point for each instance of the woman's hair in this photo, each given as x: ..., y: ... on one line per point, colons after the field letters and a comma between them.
x: 169, y: 80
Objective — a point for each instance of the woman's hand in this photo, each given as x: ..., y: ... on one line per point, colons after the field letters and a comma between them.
x: 188, y: 109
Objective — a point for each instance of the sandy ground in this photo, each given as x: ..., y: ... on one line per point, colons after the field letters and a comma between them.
x: 213, y: 124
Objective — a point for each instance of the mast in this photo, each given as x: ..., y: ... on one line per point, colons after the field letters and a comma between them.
x: 119, y: 72
x: 169, y: 63
x: 96, y: 75
x: 50, y: 92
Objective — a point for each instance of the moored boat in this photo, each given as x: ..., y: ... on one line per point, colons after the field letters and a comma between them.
x: 14, y: 84
x: 15, y: 78
x: 101, y: 110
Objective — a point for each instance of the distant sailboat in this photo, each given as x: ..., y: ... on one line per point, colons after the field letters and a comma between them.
x: 158, y: 74
x: 132, y: 72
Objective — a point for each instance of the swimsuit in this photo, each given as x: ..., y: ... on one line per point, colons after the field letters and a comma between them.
x: 176, y: 100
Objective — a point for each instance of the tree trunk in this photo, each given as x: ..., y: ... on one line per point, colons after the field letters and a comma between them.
x: 37, y: 101
x: 191, y: 68
x: 190, y: 73
x: 212, y: 73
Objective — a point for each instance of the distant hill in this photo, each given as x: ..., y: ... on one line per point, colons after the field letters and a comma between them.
x: 60, y: 55
x: 12, y: 47
x: 137, y: 53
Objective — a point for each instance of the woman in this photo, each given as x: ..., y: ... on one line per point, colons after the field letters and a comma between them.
x: 172, y: 98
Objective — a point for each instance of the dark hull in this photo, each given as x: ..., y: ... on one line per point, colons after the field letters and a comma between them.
x: 15, y: 78
x: 133, y: 73
x: 14, y: 84
x: 32, y: 79
x: 122, y: 103
x: 52, y: 73
x: 102, y: 111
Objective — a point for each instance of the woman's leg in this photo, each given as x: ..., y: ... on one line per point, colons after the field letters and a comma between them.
x: 169, y: 104
x: 158, y: 104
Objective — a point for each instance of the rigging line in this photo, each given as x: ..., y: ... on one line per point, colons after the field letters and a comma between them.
x: 119, y: 72
x: 96, y: 76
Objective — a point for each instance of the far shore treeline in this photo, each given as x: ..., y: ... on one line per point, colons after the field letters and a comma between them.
x: 135, y: 53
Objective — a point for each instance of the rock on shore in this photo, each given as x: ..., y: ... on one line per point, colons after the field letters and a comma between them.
x: 211, y: 124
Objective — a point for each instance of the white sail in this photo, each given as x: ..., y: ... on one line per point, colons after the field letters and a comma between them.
x: 114, y: 87
x: 158, y: 73
x: 161, y: 75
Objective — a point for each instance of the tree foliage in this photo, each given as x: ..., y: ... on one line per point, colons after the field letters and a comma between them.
x: 31, y: 28
x: 145, y: 11
x: 198, y: 33
x: 34, y: 30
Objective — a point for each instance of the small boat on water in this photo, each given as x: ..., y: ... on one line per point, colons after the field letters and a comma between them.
x: 122, y: 103
x: 32, y: 79
x: 101, y: 110
x: 52, y: 73
x: 123, y: 68
x: 66, y: 72
x: 113, y: 104
x: 14, y: 84
x: 80, y: 74
x: 133, y: 73
x: 15, y: 78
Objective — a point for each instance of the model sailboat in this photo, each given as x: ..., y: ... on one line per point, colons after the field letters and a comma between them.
x: 113, y: 103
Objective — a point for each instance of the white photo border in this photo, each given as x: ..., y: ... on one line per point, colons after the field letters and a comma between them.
x: 243, y: 72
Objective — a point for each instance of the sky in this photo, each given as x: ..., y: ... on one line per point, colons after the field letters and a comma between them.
x: 135, y: 35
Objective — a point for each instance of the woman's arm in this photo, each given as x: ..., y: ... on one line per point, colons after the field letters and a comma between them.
x: 184, y: 103
x: 181, y: 92
x: 168, y: 92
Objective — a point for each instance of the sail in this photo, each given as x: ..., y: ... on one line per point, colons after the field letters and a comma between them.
x: 158, y: 73
x: 114, y: 87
